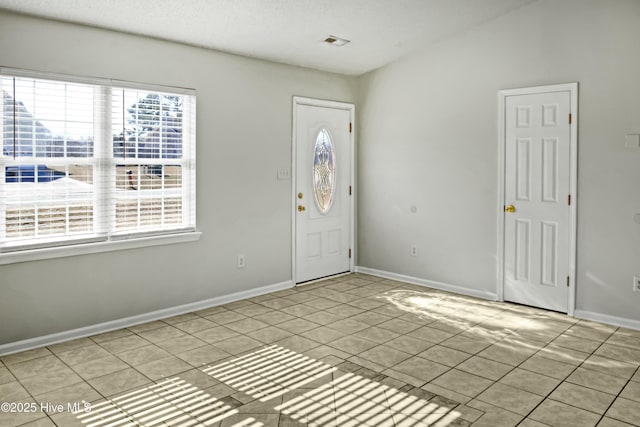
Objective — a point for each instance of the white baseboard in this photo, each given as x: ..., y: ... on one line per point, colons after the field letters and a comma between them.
x: 605, y: 318
x: 429, y: 283
x: 112, y: 325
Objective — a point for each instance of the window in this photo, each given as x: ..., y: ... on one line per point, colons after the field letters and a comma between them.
x: 324, y: 171
x: 87, y: 160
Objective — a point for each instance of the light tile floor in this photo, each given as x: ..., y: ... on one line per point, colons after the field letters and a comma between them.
x: 348, y: 351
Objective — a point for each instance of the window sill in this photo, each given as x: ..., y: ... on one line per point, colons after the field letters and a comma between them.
x: 97, y: 247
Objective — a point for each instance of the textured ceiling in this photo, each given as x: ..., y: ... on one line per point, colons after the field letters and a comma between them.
x: 287, y: 31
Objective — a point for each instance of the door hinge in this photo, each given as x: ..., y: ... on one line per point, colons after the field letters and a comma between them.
x: 349, y: 190
x: 350, y: 127
x: 567, y: 281
x: 349, y: 252
x: 569, y: 199
x: 569, y: 118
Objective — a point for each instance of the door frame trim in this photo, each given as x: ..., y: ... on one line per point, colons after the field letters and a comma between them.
x: 572, y: 88
x: 297, y: 101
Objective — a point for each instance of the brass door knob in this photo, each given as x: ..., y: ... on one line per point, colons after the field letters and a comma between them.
x: 510, y: 208
x: 301, y: 208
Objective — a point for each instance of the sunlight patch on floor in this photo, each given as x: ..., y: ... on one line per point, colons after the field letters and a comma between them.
x: 171, y: 402
x: 327, y: 396
x: 352, y: 400
x: 269, y: 372
x: 457, y: 311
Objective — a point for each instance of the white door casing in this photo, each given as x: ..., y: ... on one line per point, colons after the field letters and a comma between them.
x: 322, y: 240
x: 538, y: 190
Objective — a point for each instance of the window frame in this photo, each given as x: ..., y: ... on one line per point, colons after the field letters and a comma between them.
x: 106, y: 237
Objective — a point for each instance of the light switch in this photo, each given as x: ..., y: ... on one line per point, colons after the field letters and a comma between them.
x: 284, y: 174
x: 632, y: 140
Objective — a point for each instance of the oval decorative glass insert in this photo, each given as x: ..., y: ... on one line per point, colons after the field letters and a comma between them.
x: 324, y: 171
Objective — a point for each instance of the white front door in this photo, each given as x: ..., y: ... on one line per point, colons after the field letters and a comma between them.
x: 323, y: 208
x: 537, y: 199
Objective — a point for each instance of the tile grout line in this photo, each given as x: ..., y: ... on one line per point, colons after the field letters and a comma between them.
x: 621, y: 389
x: 476, y: 354
x: 363, y: 296
x: 564, y: 380
x: 379, y: 344
x: 519, y: 367
x: 619, y: 396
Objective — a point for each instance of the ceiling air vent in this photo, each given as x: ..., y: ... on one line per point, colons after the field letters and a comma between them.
x: 336, y: 41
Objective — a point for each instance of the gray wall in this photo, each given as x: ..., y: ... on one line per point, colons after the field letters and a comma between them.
x: 243, y: 137
x: 428, y: 138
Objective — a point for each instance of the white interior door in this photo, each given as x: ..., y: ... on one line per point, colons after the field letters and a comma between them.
x: 537, y: 199
x: 323, y: 209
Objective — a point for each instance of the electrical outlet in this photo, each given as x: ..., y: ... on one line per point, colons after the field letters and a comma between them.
x: 636, y: 284
x: 414, y: 250
x: 241, y: 263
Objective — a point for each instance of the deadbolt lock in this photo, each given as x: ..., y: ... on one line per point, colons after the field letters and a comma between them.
x: 299, y: 195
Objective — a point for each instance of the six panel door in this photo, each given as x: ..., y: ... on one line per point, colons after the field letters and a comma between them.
x: 537, y: 188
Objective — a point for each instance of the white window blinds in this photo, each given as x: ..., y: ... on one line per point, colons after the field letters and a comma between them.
x: 90, y: 160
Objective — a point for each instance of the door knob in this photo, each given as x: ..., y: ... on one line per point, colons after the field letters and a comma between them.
x: 510, y: 208
x: 301, y: 208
